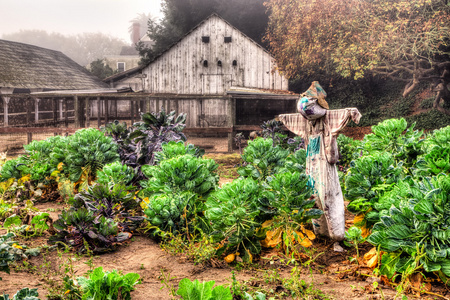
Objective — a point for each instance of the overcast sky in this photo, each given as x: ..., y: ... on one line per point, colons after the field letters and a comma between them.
x: 71, y: 17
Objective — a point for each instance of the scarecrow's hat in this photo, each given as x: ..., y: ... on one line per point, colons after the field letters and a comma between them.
x: 316, y: 91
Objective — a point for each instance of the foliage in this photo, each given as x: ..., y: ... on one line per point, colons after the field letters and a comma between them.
x: 418, y: 222
x: 368, y: 178
x: 107, y: 285
x: 153, y: 131
x: 287, y: 204
x: 37, y: 226
x: 262, y: 159
x: 6, y: 256
x: 406, y: 41
x: 23, y: 294
x: 87, y: 151
x: 202, y: 291
x: 100, y: 69
x: 347, y: 150
x: 10, y: 251
x: 82, y: 230
x: 115, y: 173
x: 288, y: 195
x: 139, y: 144
x: 116, y: 202
x: 272, y: 129
x: 295, y: 162
x: 181, y: 173
x: 353, y: 237
x: 438, y: 160
x: 390, y: 136
x: 232, y: 212
x: 14, y: 168
x: 173, y: 212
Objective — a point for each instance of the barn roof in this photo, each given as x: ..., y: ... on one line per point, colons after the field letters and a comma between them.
x: 26, y: 66
x: 197, y: 26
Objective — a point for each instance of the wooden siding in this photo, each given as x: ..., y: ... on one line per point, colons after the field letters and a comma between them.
x: 180, y: 70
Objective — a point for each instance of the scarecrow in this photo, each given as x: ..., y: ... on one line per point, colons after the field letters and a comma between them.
x: 319, y: 127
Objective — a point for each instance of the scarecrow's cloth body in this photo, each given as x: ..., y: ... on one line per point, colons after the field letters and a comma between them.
x: 321, y: 158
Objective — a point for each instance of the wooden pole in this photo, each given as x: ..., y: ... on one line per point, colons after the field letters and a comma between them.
x: 77, y: 111
x: 99, y: 116
x: 28, y: 105
x: 132, y: 111
x: 66, y: 113
x: 231, y: 121
x: 88, y: 113
x: 36, y: 110
x: 5, y: 111
x: 106, y: 112
x: 60, y: 104
x: 55, y: 112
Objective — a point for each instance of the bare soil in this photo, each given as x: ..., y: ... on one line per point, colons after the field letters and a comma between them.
x: 329, y: 271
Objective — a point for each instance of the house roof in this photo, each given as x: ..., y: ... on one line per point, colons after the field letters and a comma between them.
x: 197, y: 26
x: 30, y: 67
x: 125, y: 74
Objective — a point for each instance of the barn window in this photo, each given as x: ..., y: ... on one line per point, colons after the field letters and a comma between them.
x: 120, y: 66
x: 205, y: 63
x: 219, y: 63
x: 227, y: 39
x: 234, y: 63
x: 205, y: 39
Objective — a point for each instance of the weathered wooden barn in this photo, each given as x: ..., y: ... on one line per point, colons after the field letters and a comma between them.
x: 210, y: 59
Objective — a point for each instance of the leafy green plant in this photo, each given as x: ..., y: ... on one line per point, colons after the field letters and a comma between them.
x: 115, y: 173
x: 107, y: 285
x: 295, y: 162
x: 14, y: 168
x: 195, y: 290
x: 81, y: 229
x: 438, y: 160
x: 154, y: 130
x: 181, y: 173
x: 347, y: 150
x: 23, y: 294
x: 286, y: 203
x: 418, y: 222
x: 262, y: 159
x: 10, y: 251
x: 37, y: 226
x: 138, y: 145
x: 39, y: 157
x: 232, y: 212
x: 173, y: 212
x: 116, y: 202
x: 368, y: 178
x: 353, y: 238
x: 394, y: 136
x: 273, y: 129
x: 87, y: 151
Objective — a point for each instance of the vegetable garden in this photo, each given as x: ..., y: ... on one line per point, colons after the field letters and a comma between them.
x: 124, y: 187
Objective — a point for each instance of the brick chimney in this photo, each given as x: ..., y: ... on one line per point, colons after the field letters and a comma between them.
x: 136, y: 32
